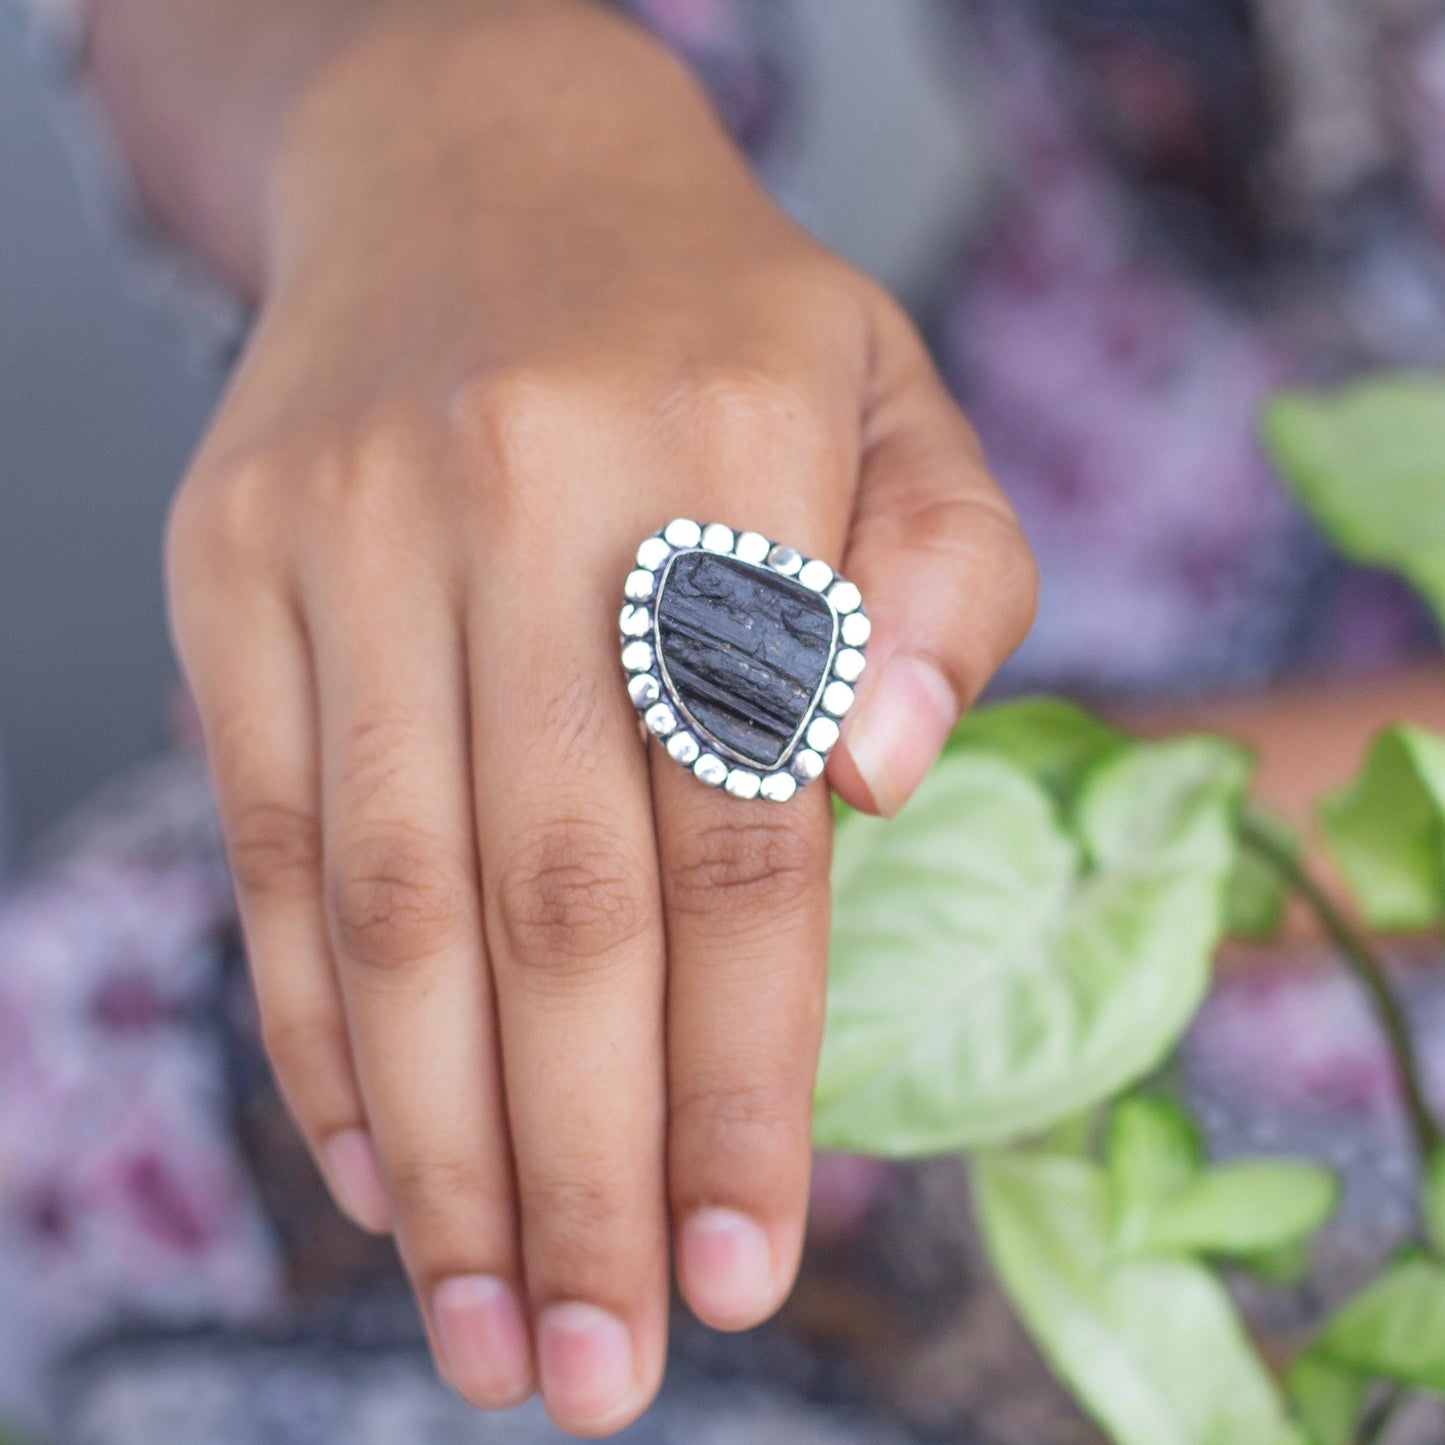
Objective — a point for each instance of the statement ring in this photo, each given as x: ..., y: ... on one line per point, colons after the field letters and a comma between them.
x: 741, y: 656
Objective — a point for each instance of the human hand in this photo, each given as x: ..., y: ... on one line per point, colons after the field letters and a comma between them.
x: 539, y: 1001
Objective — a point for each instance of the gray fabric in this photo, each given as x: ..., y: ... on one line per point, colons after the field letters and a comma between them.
x: 366, y: 1380
x: 213, y: 319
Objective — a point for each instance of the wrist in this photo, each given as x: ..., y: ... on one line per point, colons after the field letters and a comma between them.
x: 204, y: 99
x: 195, y: 96
x: 452, y: 136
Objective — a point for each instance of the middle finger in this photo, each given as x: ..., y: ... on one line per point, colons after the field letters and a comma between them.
x: 574, y: 930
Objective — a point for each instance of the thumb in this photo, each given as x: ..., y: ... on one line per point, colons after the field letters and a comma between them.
x: 949, y: 580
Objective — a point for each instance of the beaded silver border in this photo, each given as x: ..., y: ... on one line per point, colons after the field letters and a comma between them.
x: 662, y: 711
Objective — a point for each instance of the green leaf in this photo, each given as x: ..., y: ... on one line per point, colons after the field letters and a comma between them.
x: 1160, y: 807
x: 1153, y: 1349
x: 1153, y: 1151
x: 1394, y: 1329
x: 995, y: 970
x: 1076, y: 1135
x: 1258, y: 893
x: 1055, y: 742
x: 1369, y: 464
x: 1244, y: 1209
x: 1328, y: 1397
x: 1285, y: 1265
x: 1386, y: 830
x: 1291, y: 1434
x: 1433, y: 1199
x: 1260, y: 1213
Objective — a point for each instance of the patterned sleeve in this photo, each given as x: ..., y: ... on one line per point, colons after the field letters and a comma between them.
x: 213, y: 318
x: 724, y: 42
x: 55, y: 25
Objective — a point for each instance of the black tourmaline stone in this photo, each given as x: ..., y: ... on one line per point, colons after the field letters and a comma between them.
x: 744, y: 650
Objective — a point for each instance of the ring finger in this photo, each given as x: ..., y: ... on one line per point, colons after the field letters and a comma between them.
x: 404, y: 908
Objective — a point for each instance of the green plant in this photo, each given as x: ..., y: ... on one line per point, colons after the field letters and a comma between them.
x: 1025, y: 946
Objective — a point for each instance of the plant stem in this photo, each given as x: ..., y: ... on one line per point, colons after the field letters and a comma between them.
x: 1369, y: 970
x: 1376, y: 1424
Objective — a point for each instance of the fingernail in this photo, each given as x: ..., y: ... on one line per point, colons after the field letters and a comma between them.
x: 900, y: 729
x: 356, y: 1179
x: 726, y: 1265
x: 585, y: 1360
x: 483, y: 1340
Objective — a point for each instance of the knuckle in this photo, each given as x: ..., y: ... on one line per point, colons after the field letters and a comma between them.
x: 361, y: 484
x: 299, y: 1045
x: 522, y: 432
x: 579, y: 1216
x: 185, y: 533
x: 393, y: 442
x: 223, y: 519
x: 398, y: 897
x: 523, y: 398
x: 720, y: 1117
x: 275, y: 851
x: 514, y: 416
x: 570, y: 898
x: 568, y: 718
x: 362, y: 481
x: 751, y: 869
x: 376, y: 752
x: 985, y: 555
x: 1021, y: 571
x: 444, y: 1187
x: 893, y: 330
x: 746, y: 407
x: 989, y: 542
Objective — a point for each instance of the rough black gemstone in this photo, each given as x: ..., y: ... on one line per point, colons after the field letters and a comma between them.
x: 744, y: 650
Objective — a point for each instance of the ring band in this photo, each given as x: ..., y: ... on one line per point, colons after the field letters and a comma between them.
x: 741, y: 656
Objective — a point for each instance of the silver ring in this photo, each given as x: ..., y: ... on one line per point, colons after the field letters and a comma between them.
x: 741, y: 656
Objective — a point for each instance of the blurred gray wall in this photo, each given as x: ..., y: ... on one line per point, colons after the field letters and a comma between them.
x: 99, y: 406
x: 98, y: 410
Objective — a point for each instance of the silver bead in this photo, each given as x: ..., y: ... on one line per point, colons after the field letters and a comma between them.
x: 743, y: 784
x: 710, y: 769
x: 815, y: 575
x: 751, y: 547
x: 644, y: 690
x: 635, y: 621
x: 683, y: 533
x: 785, y: 560
x: 683, y: 748
x: 717, y: 538
x: 849, y: 664
x: 640, y: 585
x: 808, y: 765
x: 653, y: 553
x: 660, y: 719
x: 844, y: 596
x: 856, y: 629
x: 637, y: 656
x: 779, y: 787
x: 837, y: 698
x: 822, y: 734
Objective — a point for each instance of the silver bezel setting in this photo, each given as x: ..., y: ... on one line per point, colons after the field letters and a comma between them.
x: 661, y: 710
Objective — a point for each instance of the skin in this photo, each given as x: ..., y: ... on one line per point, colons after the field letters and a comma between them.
x: 1310, y: 739
x: 540, y: 1004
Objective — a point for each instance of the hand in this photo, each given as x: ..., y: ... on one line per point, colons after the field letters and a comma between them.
x: 539, y: 1001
